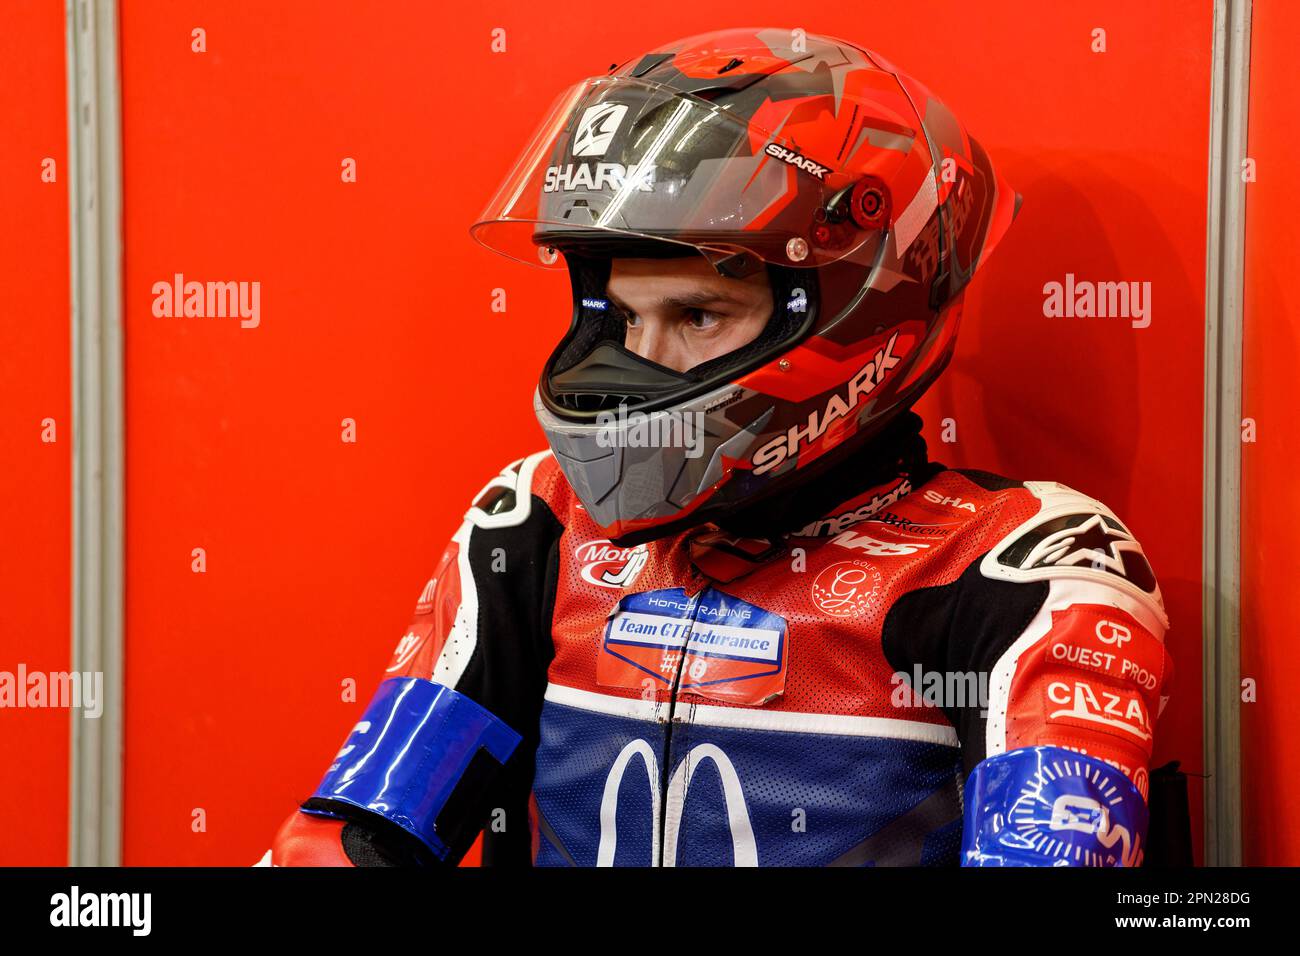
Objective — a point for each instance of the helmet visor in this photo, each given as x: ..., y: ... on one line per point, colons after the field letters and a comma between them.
x: 620, y: 158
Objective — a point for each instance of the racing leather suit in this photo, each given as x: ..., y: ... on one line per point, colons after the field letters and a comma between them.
x: 932, y: 666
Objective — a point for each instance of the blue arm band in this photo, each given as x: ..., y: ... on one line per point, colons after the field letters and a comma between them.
x: 1048, y: 806
x: 408, y: 754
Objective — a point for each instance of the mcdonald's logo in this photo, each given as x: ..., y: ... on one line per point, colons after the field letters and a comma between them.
x: 744, y: 847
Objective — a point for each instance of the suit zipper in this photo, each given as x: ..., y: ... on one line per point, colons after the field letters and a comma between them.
x: 665, y: 766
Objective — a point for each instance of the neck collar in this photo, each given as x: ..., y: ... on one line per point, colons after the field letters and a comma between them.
x: 872, y: 478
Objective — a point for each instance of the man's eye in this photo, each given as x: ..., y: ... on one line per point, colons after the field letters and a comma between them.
x: 699, y: 319
x: 631, y: 318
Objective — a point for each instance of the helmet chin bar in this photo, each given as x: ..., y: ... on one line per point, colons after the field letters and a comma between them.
x: 634, y: 487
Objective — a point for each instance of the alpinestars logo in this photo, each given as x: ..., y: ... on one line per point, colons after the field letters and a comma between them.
x: 597, y: 127
x: 776, y: 451
x: 1082, y: 540
x: 835, y: 524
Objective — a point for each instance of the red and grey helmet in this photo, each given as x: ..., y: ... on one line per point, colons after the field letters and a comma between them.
x: 857, y: 190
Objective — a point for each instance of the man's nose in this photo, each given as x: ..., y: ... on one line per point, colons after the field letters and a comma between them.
x: 656, y: 344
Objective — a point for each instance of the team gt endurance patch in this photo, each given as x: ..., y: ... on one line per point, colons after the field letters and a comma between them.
x: 711, y: 644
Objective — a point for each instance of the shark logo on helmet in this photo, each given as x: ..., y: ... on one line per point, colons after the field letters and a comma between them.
x: 597, y: 127
x: 776, y: 451
x: 796, y: 160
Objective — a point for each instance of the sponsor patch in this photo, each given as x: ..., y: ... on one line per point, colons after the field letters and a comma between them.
x: 846, y: 588
x: 609, y: 566
x: 711, y: 644
x: 1095, y: 683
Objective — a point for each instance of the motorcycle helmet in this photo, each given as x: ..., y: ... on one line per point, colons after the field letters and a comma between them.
x: 860, y: 194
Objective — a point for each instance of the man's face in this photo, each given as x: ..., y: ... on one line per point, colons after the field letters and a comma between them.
x: 681, y: 313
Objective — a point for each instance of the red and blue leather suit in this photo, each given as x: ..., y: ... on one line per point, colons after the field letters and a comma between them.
x: 820, y: 697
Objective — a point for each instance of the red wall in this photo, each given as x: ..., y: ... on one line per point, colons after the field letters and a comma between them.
x: 1270, y: 609
x: 1110, y: 153
x: 376, y: 307
x: 35, y: 384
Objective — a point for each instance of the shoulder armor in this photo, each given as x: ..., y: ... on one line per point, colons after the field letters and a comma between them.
x: 507, y: 499
x: 1074, y: 536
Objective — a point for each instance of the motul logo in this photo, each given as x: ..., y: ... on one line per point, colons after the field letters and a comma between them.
x: 776, y: 451
x: 602, y: 551
x: 609, y: 566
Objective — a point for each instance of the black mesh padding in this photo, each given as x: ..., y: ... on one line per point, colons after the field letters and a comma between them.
x: 588, y: 276
x: 370, y: 840
x: 362, y: 848
x: 591, y: 329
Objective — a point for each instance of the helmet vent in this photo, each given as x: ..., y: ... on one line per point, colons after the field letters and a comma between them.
x: 596, y: 401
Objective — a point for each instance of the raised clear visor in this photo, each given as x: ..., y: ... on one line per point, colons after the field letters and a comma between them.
x: 627, y: 158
